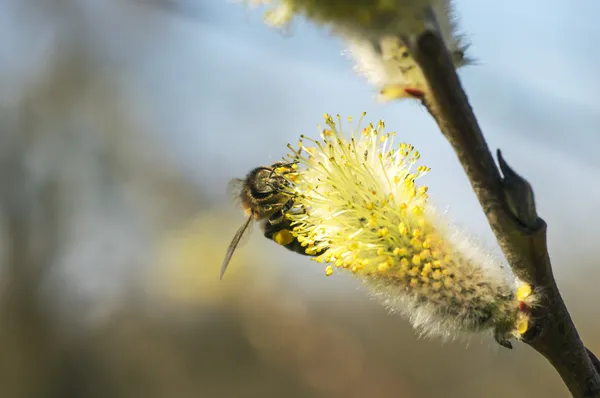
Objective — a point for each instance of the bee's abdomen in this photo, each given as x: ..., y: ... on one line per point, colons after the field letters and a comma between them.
x: 275, y: 231
x: 278, y: 229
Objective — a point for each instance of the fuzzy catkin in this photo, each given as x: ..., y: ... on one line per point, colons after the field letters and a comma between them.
x: 358, y: 204
x: 375, y: 32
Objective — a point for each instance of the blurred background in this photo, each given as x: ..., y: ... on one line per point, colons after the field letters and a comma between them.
x: 121, y: 122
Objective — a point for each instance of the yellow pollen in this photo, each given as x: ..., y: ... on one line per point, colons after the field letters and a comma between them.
x: 382, y: 267
x: 416, y: 260
x: 523, y: 292
x: 404, y: 263
x: 383, y: 232
x: 399, y: 251
x: 403, y: 229
x: 372, y: 222
x: 426, y: 269
x: 283, y: 237
x: 522, y: 324
x: 328, y: 270
x: 416, y: 243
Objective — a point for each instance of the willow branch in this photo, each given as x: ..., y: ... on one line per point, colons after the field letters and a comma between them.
x: 509, y: 205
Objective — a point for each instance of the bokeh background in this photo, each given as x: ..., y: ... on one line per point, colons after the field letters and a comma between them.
x: 121, y: 122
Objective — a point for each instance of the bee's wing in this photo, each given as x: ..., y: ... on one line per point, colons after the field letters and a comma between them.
x: 234, y: 191
x: 234, y: 243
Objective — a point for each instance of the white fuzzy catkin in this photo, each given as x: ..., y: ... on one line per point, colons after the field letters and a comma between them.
x: 375, y: 32
x: 357, y: 206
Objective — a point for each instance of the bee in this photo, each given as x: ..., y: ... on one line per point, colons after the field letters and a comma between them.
x: 278, y: 229
x: 264, y: 196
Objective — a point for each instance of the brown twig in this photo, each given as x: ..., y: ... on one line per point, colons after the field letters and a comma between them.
x: 510, y: 209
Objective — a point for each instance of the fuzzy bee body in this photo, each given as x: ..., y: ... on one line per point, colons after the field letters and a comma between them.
x: 264, y: 195
x: 263, y: 191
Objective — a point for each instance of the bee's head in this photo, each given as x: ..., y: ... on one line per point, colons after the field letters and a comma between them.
x: 273, y: 179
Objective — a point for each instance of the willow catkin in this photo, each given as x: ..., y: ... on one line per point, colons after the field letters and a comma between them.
x: 358, y: 205
x: 375, y: 34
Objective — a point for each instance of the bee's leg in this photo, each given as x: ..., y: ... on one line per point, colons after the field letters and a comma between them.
x: 274, y: 167
x: 278, y: 228
x: 279, y: 165
x: 281, y: 234
x: 278, y: 186
x: 288, y: 205
x: 285, y: 238
x: 275, y: 225
x: 279, y: 215
x: 276, y: 218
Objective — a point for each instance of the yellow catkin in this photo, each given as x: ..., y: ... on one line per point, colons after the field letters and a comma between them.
x: 380, y: 229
